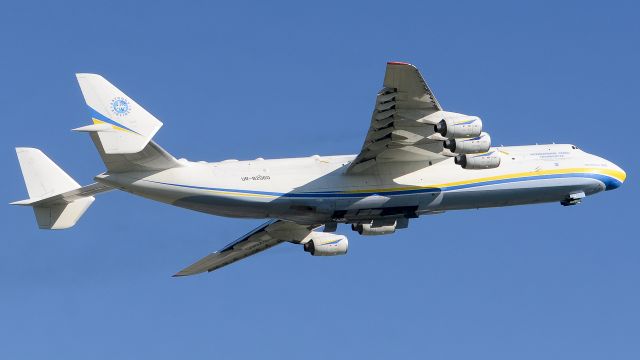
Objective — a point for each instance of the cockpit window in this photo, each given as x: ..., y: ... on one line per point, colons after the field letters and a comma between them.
x: 574, y: 147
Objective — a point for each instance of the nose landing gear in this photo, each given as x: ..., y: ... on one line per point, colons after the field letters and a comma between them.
x: 573, y: 199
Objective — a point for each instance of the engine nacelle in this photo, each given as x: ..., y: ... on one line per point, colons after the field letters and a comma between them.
x: 476, y: 145
x: 367, y: 229
x: 483, y: 161
x: 459, y: 127
x: 326, y: 244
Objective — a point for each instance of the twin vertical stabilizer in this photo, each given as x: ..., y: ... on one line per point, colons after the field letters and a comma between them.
x: 122, y: 131
x: 58, y: 201
x: 123, y: 126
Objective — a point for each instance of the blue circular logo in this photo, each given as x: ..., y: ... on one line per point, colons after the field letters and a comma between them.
x: 120, y: 106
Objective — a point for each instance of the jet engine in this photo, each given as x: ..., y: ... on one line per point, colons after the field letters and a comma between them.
x: 368, y: 229
x: 326, y: 244
x: 483, y: 161
x: 474, y: 145
x: 459, y: 127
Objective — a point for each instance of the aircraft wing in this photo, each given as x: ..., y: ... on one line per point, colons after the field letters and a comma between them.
x: 401, y: 126
x: 261, y: 238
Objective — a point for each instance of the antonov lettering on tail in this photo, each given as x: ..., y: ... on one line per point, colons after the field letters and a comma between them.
x: 417, y: 159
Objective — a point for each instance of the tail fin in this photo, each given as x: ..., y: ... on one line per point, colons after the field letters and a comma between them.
x: 123, y: 126
x: 58, y: 201
x: 122, y: 129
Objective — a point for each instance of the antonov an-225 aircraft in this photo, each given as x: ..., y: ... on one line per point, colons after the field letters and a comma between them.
x: 417, y: 159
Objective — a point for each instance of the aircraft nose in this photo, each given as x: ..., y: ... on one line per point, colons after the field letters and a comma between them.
x: 616, y: 178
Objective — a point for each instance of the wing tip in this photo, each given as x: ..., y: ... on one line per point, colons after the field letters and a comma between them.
x: 398, y: 63
x: 88, y: 75
x: 189, y: 271
x: 183, y: 274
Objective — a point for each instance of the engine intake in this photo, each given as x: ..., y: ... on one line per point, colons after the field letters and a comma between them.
x: 483, y: 161
x: 459, y: 127
x: 326, y: 244
x: 479, y: 144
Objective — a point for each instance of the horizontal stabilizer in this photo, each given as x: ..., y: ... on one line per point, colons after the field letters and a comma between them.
x: 67, y: 197
x: 96, y: 128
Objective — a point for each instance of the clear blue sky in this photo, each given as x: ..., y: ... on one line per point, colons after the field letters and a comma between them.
x: 270, y: 79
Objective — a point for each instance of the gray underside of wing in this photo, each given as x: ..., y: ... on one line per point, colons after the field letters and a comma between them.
x: 401, y: 127
x: 263, y: 237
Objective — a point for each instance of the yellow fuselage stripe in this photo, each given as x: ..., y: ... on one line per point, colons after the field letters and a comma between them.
x: 618, y: 175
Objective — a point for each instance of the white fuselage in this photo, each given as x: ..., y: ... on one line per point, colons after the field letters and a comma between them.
x: 316, y: 190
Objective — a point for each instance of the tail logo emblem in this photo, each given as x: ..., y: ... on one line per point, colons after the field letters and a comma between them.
x: 120, y: 106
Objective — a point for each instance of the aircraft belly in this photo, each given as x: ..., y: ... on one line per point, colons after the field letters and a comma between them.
x: 282, y: 206
x: 224, y: 206
x: 316, y: 208
x: 518, y: 193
